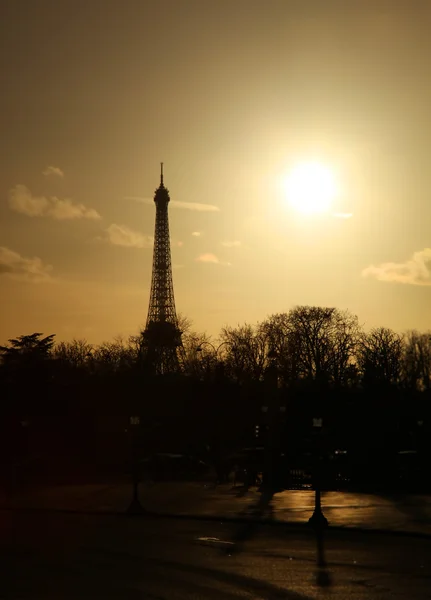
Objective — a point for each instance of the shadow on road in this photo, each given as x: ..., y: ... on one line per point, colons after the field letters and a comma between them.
x: 117, y: 574
x: 264, y: 508
x: 323, y: 577
x: 201, y: 577
x: 245, y: 583
x: 258, y: 510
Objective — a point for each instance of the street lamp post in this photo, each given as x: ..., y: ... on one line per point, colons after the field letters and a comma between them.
x: 274, y: 424
x: 135, y: 507
x: 318, y: 519
x: 215, y: 350
x: 199, y: 351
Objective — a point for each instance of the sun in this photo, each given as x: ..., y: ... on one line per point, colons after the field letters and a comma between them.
x: 310, y: 188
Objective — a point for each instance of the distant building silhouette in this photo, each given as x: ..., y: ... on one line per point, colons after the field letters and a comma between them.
x: 162, y: 336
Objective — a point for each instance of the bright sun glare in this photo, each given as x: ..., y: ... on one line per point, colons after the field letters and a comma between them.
x: 310, y: 188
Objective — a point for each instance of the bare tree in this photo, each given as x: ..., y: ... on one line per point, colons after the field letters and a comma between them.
x: 184, y: 324
x: 245, y: 351
x: 281, y: 343
x: 197, y: 350
x: 380, y: 354
x: 416, y: 363
x: 116, y: 355
x: 76, y: 353
x: 314, y: 343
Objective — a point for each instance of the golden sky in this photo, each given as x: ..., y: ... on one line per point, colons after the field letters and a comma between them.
x: 230, y: 94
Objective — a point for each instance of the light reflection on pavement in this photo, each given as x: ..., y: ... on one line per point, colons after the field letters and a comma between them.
x: 406, y: 512
x: 346, y: 509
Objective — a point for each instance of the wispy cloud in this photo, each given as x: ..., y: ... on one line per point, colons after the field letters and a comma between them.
x: 196, y: 233
x: 22, y: 200
x: 178, y: 204
x: 207, y: 258
x: 63, y: 209
x: 211, y: 258
x: 231, y: 244
x: 16, y: 266
x: 195, y: 206
x: 415, y: 271
x: 342, y: 215
x: 53, y: 171
x: 121, y: 235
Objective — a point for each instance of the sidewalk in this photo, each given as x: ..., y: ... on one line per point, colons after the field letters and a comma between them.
x: 406, y: 513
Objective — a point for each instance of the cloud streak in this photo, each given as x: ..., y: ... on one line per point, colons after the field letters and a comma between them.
x: 208, y: 257
x: 13, y: 265
x: 22, y: 201
x: 53, y: 171
x: 121, y: 235
x: 415, y: 271
x: 195, y: 206
x: 178, y: 204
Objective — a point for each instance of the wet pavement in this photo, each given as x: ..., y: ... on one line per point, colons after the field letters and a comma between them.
x: 397, y: 512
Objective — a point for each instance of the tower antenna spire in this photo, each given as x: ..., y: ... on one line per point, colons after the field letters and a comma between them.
x: 161, y: 174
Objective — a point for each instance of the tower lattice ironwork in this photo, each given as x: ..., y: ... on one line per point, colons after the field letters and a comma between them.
x: 162, y: 336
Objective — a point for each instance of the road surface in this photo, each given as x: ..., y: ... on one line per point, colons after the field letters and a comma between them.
x: 67, y: 556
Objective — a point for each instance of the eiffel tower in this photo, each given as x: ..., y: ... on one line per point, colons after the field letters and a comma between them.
x: 162, y: 336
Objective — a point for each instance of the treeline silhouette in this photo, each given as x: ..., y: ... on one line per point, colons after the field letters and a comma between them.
x: 257, y: 385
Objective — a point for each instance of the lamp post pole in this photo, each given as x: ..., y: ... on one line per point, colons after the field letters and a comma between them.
x: 135, y: 507
x: 271, y: 474
x: 318, y: 519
